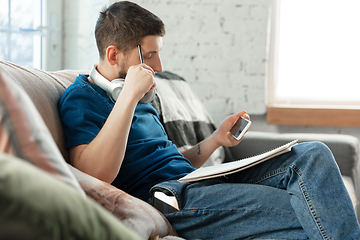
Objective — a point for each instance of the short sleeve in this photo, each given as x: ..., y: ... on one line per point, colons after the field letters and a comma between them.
x: 83, y: 111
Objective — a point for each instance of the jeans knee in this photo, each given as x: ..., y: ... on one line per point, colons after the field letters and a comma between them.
x: 322, y: 148
x: 320, y: 152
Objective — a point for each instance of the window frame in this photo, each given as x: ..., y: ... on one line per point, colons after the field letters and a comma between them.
x: 294, y: 114
x: 54, y: 30
x: 49, y: 31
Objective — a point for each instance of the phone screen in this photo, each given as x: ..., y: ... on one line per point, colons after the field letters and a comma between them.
x: 240, y: 128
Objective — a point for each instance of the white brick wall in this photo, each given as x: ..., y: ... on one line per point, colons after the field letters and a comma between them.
x: 79, y: 20
x: 219, y: 46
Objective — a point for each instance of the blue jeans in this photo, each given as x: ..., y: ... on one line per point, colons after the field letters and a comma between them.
x: 297, y: 195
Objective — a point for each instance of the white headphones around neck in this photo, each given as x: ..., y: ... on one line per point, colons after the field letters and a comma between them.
x: 114, y: 87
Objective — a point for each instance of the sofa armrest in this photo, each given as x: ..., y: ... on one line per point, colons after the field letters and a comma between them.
x: 133, y: 212
x: 345, y: 149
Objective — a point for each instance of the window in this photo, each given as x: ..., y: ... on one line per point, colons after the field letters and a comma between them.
x: 30, y: 33
x: 314, y: 76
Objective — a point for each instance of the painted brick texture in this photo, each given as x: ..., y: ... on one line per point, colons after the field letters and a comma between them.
x: 218, y: 46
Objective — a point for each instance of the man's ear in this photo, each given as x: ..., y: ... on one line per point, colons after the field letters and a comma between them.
x: 112, y: 54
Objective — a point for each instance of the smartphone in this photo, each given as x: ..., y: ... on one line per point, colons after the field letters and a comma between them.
x: 240, y: 128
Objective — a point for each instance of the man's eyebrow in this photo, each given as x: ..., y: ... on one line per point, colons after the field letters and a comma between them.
x: 151, y: 52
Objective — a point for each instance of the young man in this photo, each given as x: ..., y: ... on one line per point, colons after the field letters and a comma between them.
x: 298, y: 195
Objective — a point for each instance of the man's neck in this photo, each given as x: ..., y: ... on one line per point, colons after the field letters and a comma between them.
x: 106, y: 71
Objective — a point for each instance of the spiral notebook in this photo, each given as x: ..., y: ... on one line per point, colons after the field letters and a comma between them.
x: 236, y: 166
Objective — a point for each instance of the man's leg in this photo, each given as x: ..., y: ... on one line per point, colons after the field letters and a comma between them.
x: 313, y: 182
x: 212, y: 209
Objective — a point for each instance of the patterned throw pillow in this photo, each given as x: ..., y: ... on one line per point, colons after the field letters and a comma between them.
x: 24, y: 134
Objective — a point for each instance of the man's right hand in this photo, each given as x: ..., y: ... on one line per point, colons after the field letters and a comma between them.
x: 139, y: 80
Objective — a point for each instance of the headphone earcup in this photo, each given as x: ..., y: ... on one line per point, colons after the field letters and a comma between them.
x: 148, y: 97
x: 112, y: 88
x: 118, y: 85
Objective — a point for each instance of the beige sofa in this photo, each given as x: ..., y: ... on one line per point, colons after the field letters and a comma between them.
x: 42, y: 197
x: 138, y: 220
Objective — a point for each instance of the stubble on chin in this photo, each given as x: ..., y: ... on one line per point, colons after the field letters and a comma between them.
x: 122, y: 74
x: 123, y: 71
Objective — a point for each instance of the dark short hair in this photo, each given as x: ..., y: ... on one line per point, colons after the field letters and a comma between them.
x: 124, y: 24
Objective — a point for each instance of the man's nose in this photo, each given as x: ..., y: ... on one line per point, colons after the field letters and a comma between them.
x: 157, y: 65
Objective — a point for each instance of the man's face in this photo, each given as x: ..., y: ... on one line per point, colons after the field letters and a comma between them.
x: 150, y: 48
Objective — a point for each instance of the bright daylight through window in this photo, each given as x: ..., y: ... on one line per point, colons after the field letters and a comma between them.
x: 21, y: 33
x: 315, y: 51
x: 319, y: 51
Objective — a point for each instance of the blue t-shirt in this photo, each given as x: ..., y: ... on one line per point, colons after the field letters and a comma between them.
x: 150, y: 157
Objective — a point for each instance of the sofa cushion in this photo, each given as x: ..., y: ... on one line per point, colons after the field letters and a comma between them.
x: 24, y: 134
x: 44, y: 88
x: 34, y: 205
x: 183, y: 115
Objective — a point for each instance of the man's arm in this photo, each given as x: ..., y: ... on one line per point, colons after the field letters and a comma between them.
x: 199, y: 153
x: 102, y: 157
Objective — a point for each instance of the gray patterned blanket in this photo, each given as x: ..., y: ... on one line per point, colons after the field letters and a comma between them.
x: 185, y: 119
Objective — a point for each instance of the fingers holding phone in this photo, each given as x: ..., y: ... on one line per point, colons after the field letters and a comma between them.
x: 240, y: 127
x: 232, y: 129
